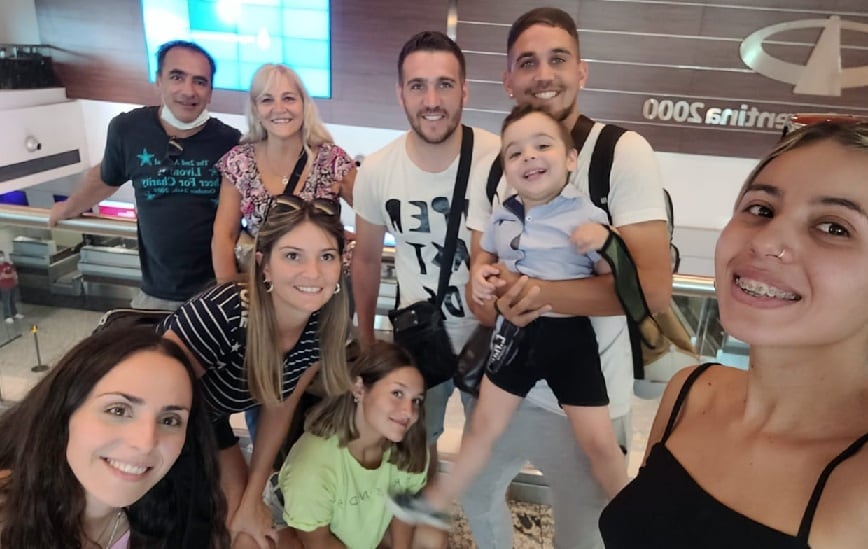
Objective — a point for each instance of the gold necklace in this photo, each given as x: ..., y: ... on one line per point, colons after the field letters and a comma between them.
x: 111, y: 538
x: 284, y: 180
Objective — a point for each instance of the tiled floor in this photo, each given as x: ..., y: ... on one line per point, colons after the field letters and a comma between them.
x: 60, y: 329
x: 533, y: 524
x: 532, y: 527
x: 57, y: 331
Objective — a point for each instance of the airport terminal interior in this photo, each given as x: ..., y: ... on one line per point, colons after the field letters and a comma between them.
x: 674, y: 71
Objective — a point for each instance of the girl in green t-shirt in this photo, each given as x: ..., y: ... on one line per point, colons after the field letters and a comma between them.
x: 359, y: 447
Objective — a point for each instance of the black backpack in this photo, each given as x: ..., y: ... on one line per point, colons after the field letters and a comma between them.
x: 599, y: 175
x: 124, y: 319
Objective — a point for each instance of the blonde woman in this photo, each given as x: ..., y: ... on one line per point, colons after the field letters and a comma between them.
x: 287, y: 151
x: 261, y: 343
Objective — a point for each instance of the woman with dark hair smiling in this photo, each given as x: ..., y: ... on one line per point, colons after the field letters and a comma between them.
x: 112, y: 449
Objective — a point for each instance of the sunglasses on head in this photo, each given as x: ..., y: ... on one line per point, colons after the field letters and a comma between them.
x: 174, y: 150
x: 290, y: 203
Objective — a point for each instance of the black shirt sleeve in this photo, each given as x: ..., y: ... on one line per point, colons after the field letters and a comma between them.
x: 113, y: 168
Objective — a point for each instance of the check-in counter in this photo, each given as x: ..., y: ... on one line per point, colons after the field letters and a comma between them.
x: 81, y: 275
x: 110, y: 272
x: 108, y: 276
x: 43, y: 269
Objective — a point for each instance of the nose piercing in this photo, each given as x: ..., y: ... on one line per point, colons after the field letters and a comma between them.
x: 779, y: 255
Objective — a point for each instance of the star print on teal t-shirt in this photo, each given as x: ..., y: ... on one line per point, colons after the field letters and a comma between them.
x: 146, y: 158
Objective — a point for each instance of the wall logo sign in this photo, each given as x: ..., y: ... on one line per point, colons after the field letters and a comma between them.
x: 822, y: 74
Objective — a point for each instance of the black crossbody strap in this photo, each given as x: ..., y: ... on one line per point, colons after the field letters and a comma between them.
x: 292, y: 181
x: 455, y: 210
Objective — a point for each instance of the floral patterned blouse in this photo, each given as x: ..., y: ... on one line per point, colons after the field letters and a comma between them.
x: 238, y: 165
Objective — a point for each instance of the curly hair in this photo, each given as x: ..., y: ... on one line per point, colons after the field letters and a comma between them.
x: 42, y: 502
x: 336, y: 415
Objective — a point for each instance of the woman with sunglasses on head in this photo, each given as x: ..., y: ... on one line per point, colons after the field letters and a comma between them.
x: 262, y: 342
x: 775, y: 456
x: 287, y: 151
x: 360, y: 446
x: 107, y: 450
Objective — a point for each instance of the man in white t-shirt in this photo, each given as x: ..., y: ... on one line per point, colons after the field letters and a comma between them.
x: 406, y: 188
x: 544, y: 68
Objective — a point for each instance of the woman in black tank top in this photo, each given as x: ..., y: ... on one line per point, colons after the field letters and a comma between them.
x: 773, y: 457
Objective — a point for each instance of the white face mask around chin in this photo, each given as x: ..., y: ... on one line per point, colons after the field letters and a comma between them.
x: 169, y: 118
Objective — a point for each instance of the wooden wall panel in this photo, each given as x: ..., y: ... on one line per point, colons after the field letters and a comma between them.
x: 639, y: 52
x: 102, y: 54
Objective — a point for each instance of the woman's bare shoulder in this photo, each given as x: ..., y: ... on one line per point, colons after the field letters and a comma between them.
x: 842, y: 511
x: 716, y: 380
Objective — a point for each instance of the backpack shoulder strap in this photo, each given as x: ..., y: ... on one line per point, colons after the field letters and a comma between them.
x: 599, y: 184
x: 674, y: 252
x: 600, y: 170
x: 581, y: 130
x: 494, y: 175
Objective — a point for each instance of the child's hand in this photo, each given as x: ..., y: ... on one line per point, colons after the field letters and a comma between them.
x: 484, y: 282
x: 589, y: 236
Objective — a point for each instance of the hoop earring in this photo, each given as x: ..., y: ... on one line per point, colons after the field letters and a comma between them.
x: 338, y: 288
x: 269, y: 285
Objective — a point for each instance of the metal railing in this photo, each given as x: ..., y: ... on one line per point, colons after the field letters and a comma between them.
x: 25, y: 216
x: 529, y: 485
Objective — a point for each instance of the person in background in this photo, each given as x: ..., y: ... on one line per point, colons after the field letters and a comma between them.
x: 773, y: 456
x: 544, y: 68
x: 9, y: 289
x: 406, y: 188
x: 287, y: 151
x: 359, y: 447
x: 262, y: 342
x: 168, y: 152
x: 550, y: 230
x: 106, y: 449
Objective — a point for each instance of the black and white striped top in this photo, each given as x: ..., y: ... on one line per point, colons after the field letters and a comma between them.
x: 213, y: 325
